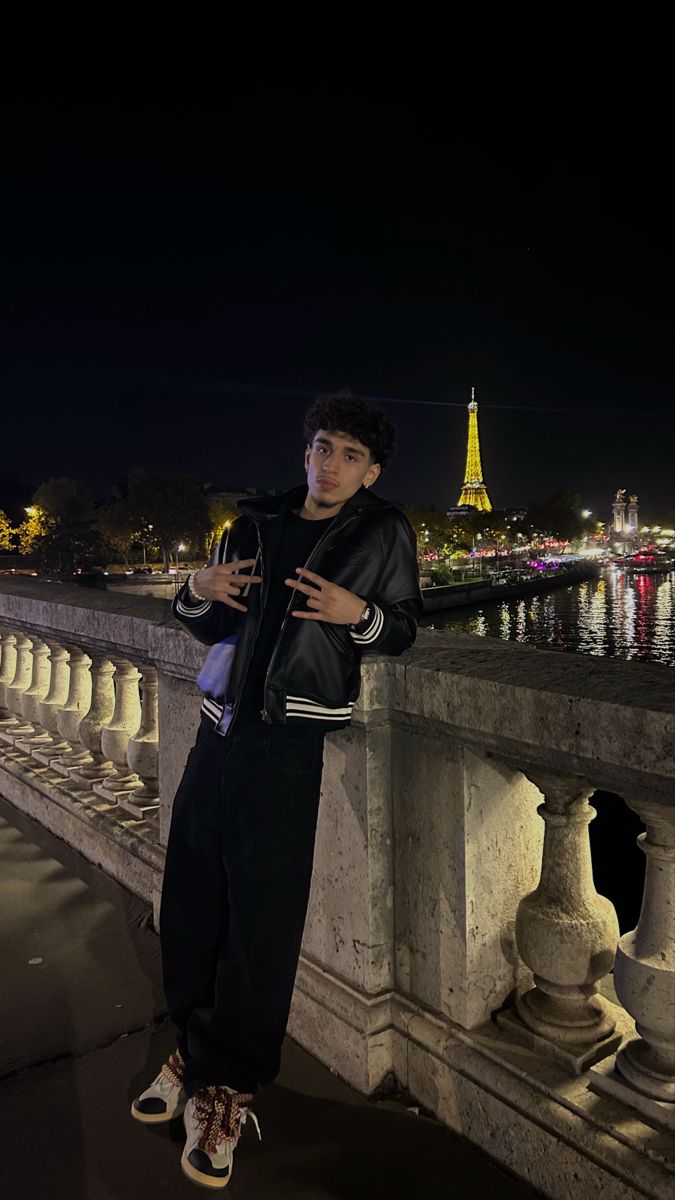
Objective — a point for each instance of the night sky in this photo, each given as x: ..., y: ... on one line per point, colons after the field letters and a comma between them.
x: 187, y: 264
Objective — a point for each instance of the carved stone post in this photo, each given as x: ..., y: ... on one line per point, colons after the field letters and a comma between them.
x: 56, y: 696
x: 21, y: 681
x: 39, y: 686
x: 115, y: 734
x: 138, y: 791
x: 567, y: 934
x: 70, y: 714
x: 28, y: 697
x: 7, y: 663
x: 644, y: 978
x: 91, y: 727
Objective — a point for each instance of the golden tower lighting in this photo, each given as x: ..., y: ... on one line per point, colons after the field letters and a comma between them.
x: 474, y: 490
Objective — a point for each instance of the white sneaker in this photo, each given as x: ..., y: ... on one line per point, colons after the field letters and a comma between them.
x: 165, y: 1098
x: 213, y: 1120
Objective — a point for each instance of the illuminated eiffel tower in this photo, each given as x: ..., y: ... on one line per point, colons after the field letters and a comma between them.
x: 474, y: 490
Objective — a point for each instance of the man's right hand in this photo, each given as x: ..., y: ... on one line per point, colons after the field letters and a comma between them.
x: 221, y: 582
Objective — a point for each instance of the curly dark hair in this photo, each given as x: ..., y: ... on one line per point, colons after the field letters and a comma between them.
x: 343, y: 412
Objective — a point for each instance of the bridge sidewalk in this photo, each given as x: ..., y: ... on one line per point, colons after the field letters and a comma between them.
x: 83, y: 1028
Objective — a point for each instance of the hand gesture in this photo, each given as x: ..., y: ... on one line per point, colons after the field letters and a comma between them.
x: 327, y: 601
x: 222, y: 583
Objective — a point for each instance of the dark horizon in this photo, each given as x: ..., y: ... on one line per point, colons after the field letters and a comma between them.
x: 277, y: 460
x: 184, y: 273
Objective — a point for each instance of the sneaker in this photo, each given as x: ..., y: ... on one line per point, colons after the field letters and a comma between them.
x: 165, y: 1098
x: 213, y: 1121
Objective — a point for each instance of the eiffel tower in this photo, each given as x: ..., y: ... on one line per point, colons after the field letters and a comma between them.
x: 474, y: 491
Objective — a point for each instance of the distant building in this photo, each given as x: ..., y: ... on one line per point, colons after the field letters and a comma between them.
x: 462, y: 510
x: 467, y: 510
x: 625, y: 529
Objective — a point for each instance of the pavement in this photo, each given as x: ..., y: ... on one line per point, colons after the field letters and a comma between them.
x: 84, y: 1028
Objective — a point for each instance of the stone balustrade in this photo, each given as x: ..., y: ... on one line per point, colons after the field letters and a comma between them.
x: 455, y: 942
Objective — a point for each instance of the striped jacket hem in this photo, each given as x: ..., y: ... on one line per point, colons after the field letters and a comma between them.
x: 296, y: 707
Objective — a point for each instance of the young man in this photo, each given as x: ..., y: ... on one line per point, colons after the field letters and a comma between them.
x: 329, y: 572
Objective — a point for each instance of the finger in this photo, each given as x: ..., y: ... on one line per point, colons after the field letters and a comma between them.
x: 237, y: 593
x: 232, y: 568
x: 233, y: 604
x: 229, y: 594
x: 311, y: 575
x: 301, y: 587
x: 309, y: 616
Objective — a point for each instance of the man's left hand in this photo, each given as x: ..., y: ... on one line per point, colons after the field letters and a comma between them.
x: 327, y: 601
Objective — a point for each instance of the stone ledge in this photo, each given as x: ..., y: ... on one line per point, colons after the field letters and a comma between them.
x: 131, y: 860
x: 606, y: 1080
x: 523, y: 1110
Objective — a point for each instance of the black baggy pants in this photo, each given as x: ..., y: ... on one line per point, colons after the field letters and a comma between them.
x: 234, y: 900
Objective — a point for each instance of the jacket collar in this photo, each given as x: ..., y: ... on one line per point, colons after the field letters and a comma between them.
x: 260, y: 508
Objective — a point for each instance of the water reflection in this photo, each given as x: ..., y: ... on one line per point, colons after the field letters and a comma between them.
x: 521, y: 621
x: 622, y: 616
x: 592, y: 618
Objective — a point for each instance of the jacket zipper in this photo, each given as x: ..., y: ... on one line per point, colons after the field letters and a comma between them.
x: 235, y: 706
x: 264, y: 711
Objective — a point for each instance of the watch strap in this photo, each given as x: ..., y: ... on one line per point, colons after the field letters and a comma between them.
x: 364, y: 620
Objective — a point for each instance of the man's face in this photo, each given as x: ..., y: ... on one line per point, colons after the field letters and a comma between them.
x: 337, y: 465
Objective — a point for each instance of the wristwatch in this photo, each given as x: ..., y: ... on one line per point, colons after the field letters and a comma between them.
x: 364, y: 620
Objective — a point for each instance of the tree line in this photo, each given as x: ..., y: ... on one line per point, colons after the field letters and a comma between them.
x: 150, y: 515
x: 559, y: 517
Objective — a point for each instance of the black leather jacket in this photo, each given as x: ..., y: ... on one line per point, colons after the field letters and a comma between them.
x: 313, y: 674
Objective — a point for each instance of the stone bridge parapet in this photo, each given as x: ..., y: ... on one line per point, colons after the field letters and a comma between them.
x: 455, y: 947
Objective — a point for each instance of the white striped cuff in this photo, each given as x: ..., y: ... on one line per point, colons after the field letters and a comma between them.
x: 193, y: 610
x: 373, y: 631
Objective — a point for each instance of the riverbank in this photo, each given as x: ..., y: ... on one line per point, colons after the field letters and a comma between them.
x: 481, y: 591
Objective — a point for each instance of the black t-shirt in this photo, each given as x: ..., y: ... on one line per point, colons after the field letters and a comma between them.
x: 287, y: 543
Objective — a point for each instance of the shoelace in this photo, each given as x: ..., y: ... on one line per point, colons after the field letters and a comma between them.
x: 221, y: 1114
x: 173, y: 1068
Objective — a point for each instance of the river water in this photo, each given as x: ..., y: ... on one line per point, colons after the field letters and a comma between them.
x: 615, y: 615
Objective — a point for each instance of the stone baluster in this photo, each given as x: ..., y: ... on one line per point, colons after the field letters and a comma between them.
x: 39, y: 686
x: 7, y: 664
x: 69, y: 715
x: 567, y: 934
x: 90, y: 728
x: 140, y: 795
x: 20, y: 682
x: 644, y: 979
x: 46, y: 709
x: 115, y: 734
